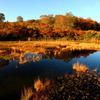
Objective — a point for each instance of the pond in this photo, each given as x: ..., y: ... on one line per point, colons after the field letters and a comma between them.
x: 16, y: 74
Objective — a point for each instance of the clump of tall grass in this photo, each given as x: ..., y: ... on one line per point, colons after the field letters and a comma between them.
x: 80, y: 67
x: 26, y: 94
x: 41, y: 85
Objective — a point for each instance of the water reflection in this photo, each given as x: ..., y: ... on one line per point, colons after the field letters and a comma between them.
x: 21, y: 71
x: 3, y: 62
x: 68, y: 55
x: 28, y: 58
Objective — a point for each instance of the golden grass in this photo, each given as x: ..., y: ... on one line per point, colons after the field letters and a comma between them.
x: 41, y: 47
x: 26, y: 94
x: 40, y: 85
x: 80, y: 67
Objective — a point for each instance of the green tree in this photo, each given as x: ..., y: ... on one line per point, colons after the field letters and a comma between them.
x: 19, y: 19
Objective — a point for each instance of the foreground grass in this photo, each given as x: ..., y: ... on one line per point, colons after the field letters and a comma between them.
x: 84, y: 84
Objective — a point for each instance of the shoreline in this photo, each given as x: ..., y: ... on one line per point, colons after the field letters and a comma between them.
x: 64, y: 45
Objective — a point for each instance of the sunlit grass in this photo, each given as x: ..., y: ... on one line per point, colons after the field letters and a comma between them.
x: 18, y: 47
x: 80, y: 67
x: 26, y: 94
x: 41, y: 85
x: 26, y: 46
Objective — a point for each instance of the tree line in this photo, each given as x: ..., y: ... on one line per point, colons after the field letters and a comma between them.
x: 68, y: 27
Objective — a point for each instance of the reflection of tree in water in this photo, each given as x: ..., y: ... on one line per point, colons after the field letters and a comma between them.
x: 67, y: 55
x: 3, y: 62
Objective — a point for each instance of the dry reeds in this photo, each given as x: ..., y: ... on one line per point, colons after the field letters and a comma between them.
x: 26, y: 94
x: 80, y: 67
x: 40, y: 85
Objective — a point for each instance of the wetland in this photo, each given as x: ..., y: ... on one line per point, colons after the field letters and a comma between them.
x: 23, y: 62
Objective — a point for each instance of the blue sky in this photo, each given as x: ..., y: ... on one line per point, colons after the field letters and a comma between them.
x: 32, y: 9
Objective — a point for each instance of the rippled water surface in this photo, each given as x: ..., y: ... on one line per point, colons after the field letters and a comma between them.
x: 15, y: 74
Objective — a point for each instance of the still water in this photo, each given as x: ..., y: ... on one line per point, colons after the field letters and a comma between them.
x: 14, y: 76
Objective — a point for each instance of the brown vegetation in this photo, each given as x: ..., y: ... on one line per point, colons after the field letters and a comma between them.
x: 19, y: 49
x: 41, y: 85
x: 28, y: 92
x: 49, y: 27
x: 84, y: 86
x: 80, y: 67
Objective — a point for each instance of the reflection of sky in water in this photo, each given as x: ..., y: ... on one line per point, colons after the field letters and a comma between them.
x: 14, y: 76
x: 92, y: 61
x: 48, y: 67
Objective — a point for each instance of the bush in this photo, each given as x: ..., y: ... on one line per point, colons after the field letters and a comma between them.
x: 89, y: 34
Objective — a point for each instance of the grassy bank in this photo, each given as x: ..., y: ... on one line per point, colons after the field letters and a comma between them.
x: 17, y: 49
x: 58, y: 44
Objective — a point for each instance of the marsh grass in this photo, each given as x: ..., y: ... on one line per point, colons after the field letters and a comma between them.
x: 40, y: 84
x: 26, y: 94
x: 41, y: 46
x: 80, y: 67
x: 83, y: 86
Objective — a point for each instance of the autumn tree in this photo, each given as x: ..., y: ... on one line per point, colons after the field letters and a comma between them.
x: 59, y: 25
x: 96, y: 26
x: 47, y: 19
x: 87, y: 24
x: 19, y: 19
x: 31, y: 21
x: 71, y: 20
x: 60, y: 22
x: 2, y: 18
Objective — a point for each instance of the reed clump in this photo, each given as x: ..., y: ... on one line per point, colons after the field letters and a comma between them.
x: 83, y: 86
x: 80, y: 67
x: 26, y: 94
x: 41, y: 85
